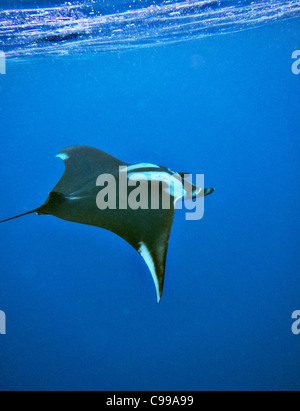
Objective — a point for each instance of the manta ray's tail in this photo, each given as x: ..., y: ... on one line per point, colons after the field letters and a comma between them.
x: 21, y: 215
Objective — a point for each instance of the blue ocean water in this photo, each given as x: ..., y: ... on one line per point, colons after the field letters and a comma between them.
x: 80, y: 303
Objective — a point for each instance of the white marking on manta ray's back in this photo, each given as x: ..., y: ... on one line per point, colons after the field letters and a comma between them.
x: 197, y: 192
x: 63, y: 156
x: 175, y: 187
x: 145, y: 253
x: 136, y: 167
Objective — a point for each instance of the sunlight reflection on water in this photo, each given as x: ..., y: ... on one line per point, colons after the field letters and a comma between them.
x: 94, y: 26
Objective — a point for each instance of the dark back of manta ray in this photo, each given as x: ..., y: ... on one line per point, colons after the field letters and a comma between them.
x: 133, y: 225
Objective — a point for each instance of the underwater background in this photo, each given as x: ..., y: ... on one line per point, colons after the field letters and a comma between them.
x: 80, y: 302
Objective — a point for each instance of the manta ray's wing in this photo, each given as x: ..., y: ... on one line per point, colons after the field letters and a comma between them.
x: 74, y: 199
x: 148, y: 231
x: 83, y: 164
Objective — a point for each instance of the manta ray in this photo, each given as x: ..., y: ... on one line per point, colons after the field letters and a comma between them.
x: 147, y: 229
